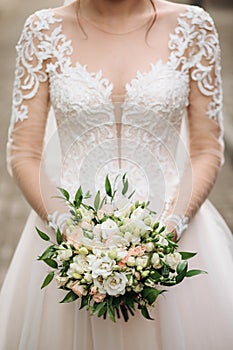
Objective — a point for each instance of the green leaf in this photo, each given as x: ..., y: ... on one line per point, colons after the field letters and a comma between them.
x: 52, y: 263
x: 47, y: 279
x: 155, y: 276
x: 151, y: 294
x: 59, y: 236
x: 103, y: 310
x: 97, y: 201
x: 102, y: 202
x: 110, y: 311
x: 48, y: 253
x: 84, y: 301
x: 71, y: 296
x: 78, y: 197
x: 187, y: 255
x: 182, y: 270
x: 65, y: 193
x: 181, y: 266
x: 125, y: 187
x: 131, y: 194
x: 42, y: 235
x: 145, y: 313
x: 97, y: 307
x: 192, y: 273
x: 108, y: 187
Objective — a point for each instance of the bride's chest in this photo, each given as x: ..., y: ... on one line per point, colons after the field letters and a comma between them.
x: 162, y: 90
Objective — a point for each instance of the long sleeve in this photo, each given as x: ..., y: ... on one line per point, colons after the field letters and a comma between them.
x: 205, y: 121
x: 28, y: 122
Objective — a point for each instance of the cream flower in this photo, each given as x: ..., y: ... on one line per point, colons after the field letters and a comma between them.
x: 64, y: 254
x: 155, y: 261
x: 109, y: 228
x: 102, y: 267
x: 60, y: 280
x: 115, y: 284
x: 173, y: 260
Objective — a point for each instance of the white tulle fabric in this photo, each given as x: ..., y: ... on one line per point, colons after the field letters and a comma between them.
x: 166, y: 134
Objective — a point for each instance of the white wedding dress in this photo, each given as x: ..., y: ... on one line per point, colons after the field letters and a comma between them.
x: 166, y: 134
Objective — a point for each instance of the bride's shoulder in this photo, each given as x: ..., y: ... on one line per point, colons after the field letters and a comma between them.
x: 173, y: 11
x: 46, y: 18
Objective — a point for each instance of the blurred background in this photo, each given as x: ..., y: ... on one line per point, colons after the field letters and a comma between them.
x: 13, y: 208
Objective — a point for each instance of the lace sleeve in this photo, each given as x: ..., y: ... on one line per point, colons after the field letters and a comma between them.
x: 29, y: 117
x: 205, y: 121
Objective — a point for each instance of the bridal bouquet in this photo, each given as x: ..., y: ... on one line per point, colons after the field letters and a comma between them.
x: 116, y: 256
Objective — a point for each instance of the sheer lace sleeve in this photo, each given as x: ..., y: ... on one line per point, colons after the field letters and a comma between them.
x: 204, y: 118
x: 29, y: 117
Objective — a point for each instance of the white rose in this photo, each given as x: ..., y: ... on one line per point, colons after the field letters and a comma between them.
x: 102, y: 267
x: 109, y: 228
x: 98, y: 283
x: 115, y: 284
x: 64, y: 254
x: 142, y: 261
x: 173, y: 260
x: 116, y: 241
x: 155, y: 261
x: 82, y: 261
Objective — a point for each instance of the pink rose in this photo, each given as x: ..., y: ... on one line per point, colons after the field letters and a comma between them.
x: 79, y: 289
x: 98, y: 298
x: 93, y: 290
x: 137, y: 251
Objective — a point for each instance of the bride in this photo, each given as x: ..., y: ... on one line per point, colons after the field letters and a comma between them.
x: 134, y: 87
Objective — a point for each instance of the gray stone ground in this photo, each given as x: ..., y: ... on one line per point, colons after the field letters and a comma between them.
x: 13, y: 208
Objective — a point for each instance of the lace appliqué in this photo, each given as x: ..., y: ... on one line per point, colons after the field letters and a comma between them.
x: 36, y: 45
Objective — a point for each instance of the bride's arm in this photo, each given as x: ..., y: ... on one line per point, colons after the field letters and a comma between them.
x: 28, y: 123
x: 205, y: 124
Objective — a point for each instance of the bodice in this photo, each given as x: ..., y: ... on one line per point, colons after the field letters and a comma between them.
x: 142, y: 134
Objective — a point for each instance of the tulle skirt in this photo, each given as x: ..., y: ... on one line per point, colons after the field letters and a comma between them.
x: 195, y: 315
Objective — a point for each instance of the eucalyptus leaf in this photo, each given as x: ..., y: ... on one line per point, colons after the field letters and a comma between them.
x: 42, y: 235
x: 47, y: 279
x: 71, y: 296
